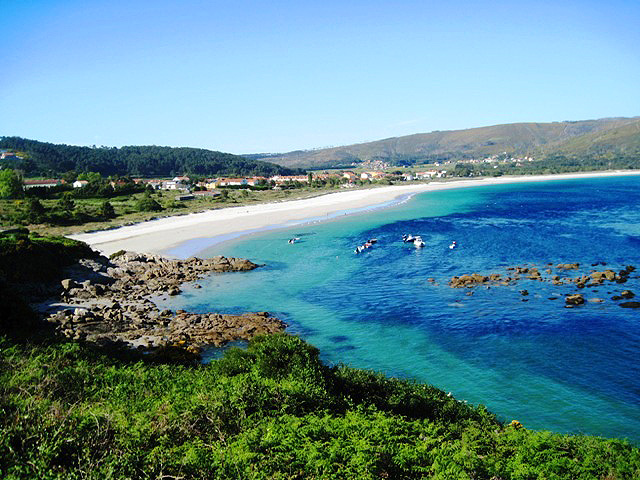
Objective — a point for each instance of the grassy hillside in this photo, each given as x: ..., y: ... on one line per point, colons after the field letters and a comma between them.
x: 517, y: 138
x: 271, y: 411
x: 622, y: 139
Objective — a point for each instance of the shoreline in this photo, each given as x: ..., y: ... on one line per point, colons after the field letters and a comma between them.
x: 164, y: 234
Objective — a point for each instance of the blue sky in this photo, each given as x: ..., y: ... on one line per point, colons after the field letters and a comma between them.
x: 274, y: 76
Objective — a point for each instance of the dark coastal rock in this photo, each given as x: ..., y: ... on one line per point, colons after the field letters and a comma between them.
x: 630, y: 304
x: 115, y: 309
x: 626, y: 294
x: 568, y: 266
x: 473, y: 280
x: 592, y: 280
x: 575, y: 299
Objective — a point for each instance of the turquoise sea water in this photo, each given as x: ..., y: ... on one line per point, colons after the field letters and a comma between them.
x: 526, y: 358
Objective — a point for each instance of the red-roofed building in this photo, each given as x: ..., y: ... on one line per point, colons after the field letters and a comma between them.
x: 48, y: 183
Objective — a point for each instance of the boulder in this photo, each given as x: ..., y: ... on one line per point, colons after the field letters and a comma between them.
x: 568, y: 266
x: 575, y: 299
x: 630, y: 304
x: 68, y: 284
x: 241, y: 264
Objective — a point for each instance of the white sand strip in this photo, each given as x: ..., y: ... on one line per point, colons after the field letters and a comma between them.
x: 156, y: 236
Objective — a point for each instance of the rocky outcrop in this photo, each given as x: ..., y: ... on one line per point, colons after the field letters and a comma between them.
x: 475, y: 279
x: 108, y: 302
x: 520, y: 273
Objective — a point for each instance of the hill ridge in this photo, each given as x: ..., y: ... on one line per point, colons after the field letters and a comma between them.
x: 537, y: 138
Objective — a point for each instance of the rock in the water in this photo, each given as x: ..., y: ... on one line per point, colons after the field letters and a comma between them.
x: 568, y: 266
x: 625, y: 295
x: 630, y: 304
x: 575, y: 299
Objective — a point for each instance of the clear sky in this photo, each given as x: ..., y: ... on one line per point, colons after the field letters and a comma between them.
x: 274, y: 76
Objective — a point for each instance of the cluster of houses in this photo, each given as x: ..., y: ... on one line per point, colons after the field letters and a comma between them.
x: 347, y: 178
x: 7, y: 155
x: 503, y: 157
x: 184, y: 183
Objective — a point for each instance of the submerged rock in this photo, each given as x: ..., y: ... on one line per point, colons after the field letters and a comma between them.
x: 630, y: 304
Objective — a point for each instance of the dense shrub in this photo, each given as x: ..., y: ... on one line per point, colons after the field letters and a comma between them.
x: 270, y: 411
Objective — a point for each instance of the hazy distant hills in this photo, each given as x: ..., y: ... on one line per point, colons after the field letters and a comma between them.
x: 539, y: 139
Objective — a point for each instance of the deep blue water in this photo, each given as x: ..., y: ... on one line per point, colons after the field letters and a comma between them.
x: 525, y: 357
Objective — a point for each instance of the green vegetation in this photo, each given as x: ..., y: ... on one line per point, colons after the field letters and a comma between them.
x: 273, y: 410
x: 148, y: 204
x: 98, y: 205
x: 10, y: 184
x: 49, y: 159
x: 26, y: 255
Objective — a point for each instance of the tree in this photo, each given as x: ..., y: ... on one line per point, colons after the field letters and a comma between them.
x: 34, y: 211
x: 462, y: 170
x: 10, y: 184
x: 91, y: 177
x: 107, y: 211
x: 65, y: 203
x: 70, y: 176
x: 148, y: 204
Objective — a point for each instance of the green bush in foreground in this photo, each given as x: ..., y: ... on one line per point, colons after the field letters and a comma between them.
x: 271, y: 411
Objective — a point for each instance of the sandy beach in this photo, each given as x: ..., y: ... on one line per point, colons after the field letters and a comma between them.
x: 158, y: 236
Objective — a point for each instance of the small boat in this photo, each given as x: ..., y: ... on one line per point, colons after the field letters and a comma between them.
x: 417, y: 241
x: 365, y: 245
x: 408, y: 238
x: 453, y: 245
x: 293, y: 240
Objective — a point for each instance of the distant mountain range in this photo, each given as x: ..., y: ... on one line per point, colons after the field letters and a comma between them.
x: 606, y: 135
x: 595, y: 139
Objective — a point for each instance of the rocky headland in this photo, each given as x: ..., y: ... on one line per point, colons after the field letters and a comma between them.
x: 108, y: 302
